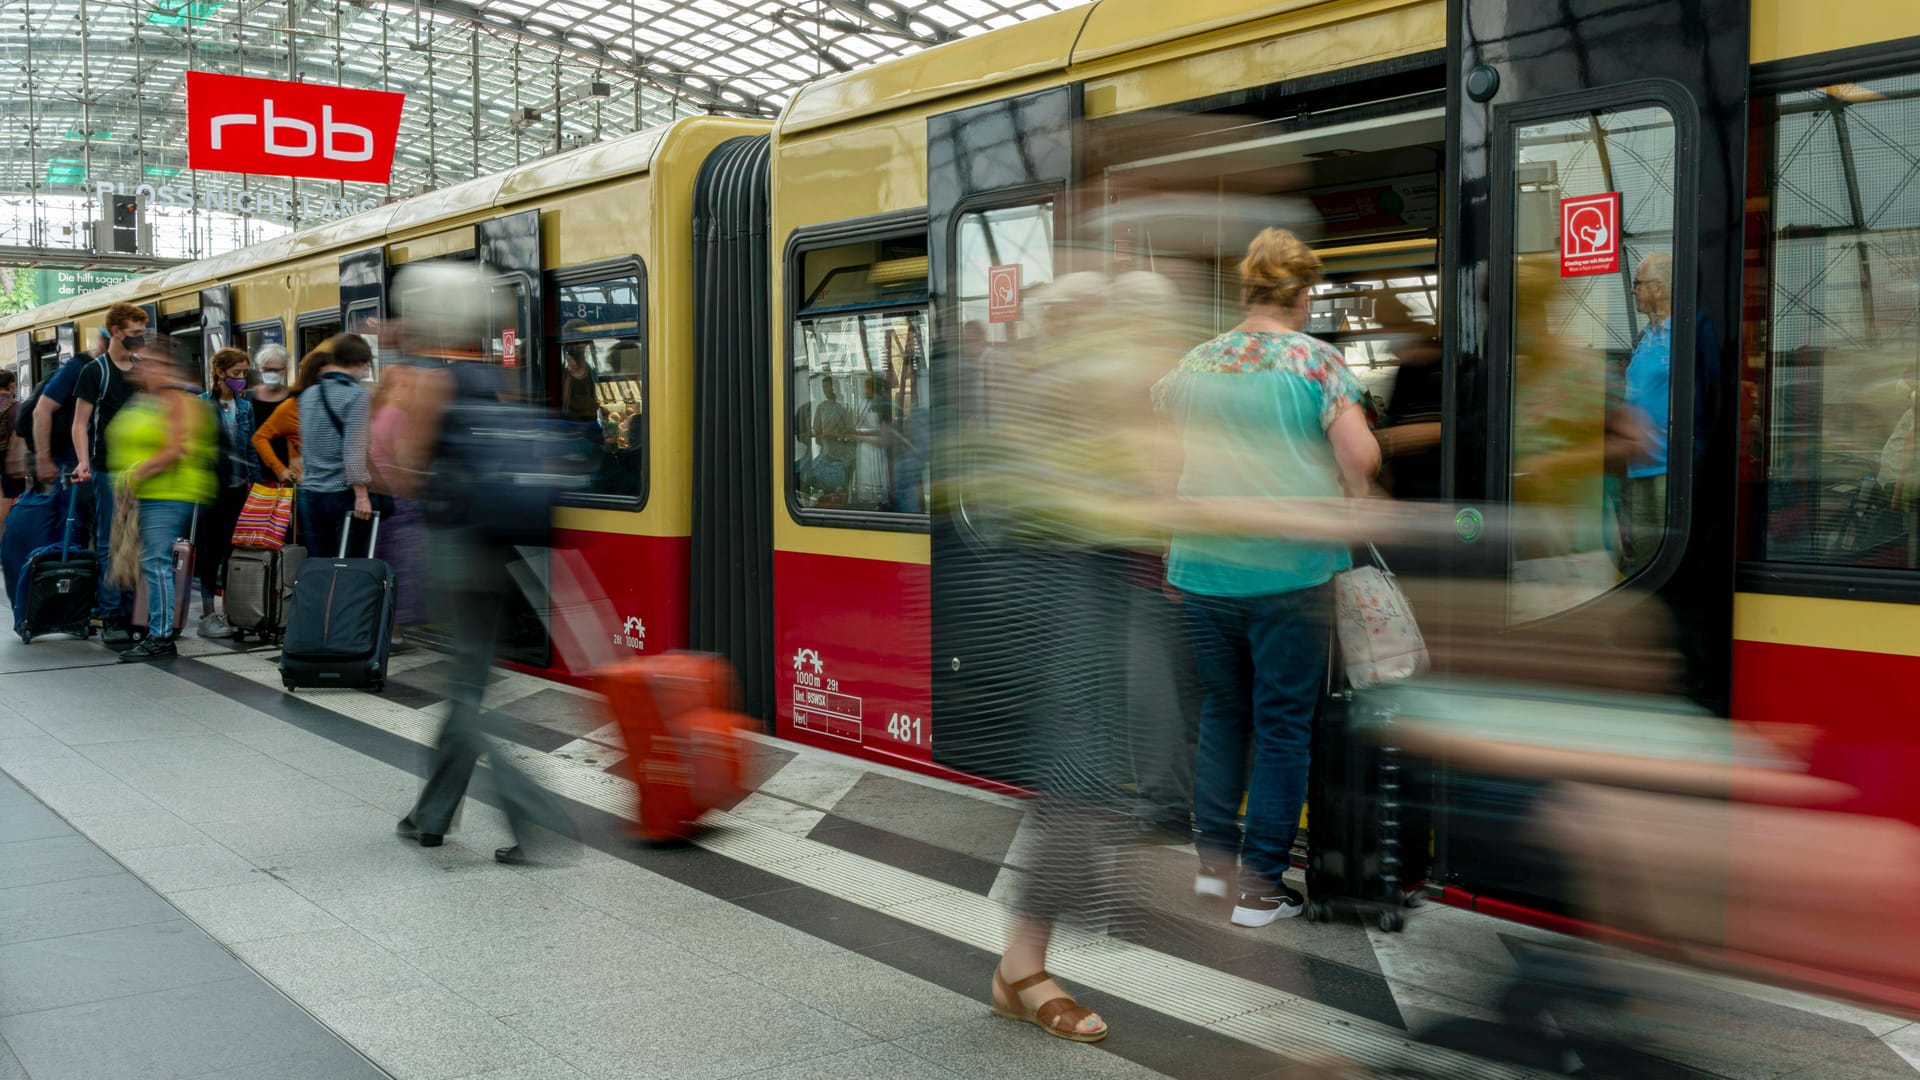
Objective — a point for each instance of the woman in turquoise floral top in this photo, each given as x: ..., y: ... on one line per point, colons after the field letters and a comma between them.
x: 1263, y: 411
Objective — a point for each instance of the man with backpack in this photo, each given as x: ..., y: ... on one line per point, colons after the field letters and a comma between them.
x: 102, y: 389
x: 46, y: 426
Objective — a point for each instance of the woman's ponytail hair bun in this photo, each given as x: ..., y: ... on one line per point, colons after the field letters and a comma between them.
x: 1278, y: 267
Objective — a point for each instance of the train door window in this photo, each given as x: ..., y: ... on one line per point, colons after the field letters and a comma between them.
x: 255, y: 336
x: 316, y: 327
x: 860, y: 431
x: 363, y: 319
x: 185, y: 332
x: 1592, y: 379
x: 602, y: 381
x: 1829, y: 454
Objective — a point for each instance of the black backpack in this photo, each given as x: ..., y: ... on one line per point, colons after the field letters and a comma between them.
x: 500, y: 467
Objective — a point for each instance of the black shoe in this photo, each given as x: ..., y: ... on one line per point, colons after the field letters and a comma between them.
x: 411, y: 831
x: 115, y: 632
x: 512, y: 856
x: 1267, y: 906
x: 150, y: 649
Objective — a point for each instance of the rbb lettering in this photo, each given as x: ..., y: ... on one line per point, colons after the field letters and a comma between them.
x: 290, y: 129
x: 327, y: 141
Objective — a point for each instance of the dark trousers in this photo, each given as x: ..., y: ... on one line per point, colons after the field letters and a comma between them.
x: 322, y: 515
x: 214, y: 538
x: 35, y: 521
x: 110, y: 600
x: 1262, y: 663
x: 471, y: 587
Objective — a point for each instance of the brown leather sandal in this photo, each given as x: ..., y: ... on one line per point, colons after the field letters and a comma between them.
x: 1059, y: 1017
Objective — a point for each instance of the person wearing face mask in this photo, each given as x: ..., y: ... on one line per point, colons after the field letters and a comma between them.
x: 235, y: 471
x: 103, y: 388
x: 273, y: 389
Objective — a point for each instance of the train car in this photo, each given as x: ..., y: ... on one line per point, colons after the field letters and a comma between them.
x: 1762, y: 146
x: 592, y: 254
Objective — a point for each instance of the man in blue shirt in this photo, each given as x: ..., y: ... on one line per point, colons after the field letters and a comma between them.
x: 1643, y: 500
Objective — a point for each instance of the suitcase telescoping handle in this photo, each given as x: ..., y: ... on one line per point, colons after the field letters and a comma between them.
x: 346, y: 531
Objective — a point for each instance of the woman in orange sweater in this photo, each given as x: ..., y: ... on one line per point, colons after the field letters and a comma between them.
x: 284, y: 424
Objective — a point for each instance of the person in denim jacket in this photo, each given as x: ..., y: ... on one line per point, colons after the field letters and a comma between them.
x: 236, y: 470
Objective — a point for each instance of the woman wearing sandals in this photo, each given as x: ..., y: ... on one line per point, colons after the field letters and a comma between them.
x: 1070, y: 456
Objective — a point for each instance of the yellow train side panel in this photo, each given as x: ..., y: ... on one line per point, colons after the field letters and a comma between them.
x: 1854, y: 625
x: 1787, y: 28
x: 1313, y: 41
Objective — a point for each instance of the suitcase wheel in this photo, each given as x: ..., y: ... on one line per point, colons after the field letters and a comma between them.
x: 287, y: 682
x: 378, y: 686
x: 1319, y: 911
x: 26, y: 636
x: 1392, y: 921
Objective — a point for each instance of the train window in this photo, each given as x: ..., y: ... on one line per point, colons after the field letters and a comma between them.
x: 315, y: 328
x: 1592, y: 313
x: 255, y: 336
x: 1829, y: 459
x: 860, y: 431
x: 603, y: 377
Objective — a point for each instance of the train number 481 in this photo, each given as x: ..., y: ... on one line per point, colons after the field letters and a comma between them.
x: 906, y: 728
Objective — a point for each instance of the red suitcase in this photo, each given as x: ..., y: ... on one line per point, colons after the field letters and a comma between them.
x: 687, y: 749
x: 184, y: 586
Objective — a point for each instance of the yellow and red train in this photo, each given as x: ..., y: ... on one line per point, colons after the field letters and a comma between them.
x: 782, y: 317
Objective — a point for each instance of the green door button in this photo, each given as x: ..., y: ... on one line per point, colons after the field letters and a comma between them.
x: 1468, y: 524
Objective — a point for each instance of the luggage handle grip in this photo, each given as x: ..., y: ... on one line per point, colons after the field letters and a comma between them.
x: 346, y: 532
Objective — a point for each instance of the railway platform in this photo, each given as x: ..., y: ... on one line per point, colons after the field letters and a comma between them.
x: 199, y: 878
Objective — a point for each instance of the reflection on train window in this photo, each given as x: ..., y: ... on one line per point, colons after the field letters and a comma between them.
x: 1829, y: 457
x: 602, y: 381
x: 860, y: 431
x: 363, y: 318
x: 313, y: 333
x: 1002, y: 257
x: 1386, y: 324
x: 257, y: 336
x: 1592, y: 354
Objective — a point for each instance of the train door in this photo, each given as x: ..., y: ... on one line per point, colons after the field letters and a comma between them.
x: 999, y: 176
x: 363, y: 299
x: 216, y: 321
x: 509, y: 250
x: 1592, y: 261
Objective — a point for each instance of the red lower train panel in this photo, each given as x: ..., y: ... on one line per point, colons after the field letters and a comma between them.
x: 645, y: 579
x: 852, y: 647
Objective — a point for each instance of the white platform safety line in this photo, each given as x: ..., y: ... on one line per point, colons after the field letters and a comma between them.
x: 1251, y: 1012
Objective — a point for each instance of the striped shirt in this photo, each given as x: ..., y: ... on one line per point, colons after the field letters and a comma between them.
x: 333, y: 458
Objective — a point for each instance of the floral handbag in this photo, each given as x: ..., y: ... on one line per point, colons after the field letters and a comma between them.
x: 1379, y: 640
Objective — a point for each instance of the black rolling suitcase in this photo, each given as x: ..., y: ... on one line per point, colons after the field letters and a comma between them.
x: 1359, y: 814
x: 340, y: 621
x: 58, y: 584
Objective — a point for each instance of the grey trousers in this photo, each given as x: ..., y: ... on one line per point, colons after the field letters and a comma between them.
x: 470, y: 591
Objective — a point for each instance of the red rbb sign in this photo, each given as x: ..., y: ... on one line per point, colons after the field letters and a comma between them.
x: 271, y: 128
x: 1590, y: 235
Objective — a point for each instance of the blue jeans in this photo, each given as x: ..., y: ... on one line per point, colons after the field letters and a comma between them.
x: 37, y: 519
x: 162, y: 521
x: 110, y: 601
x: 1262, y: 663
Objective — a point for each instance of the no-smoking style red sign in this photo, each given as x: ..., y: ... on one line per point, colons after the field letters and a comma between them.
x: 1003, y: 294
x: 1590, y: 235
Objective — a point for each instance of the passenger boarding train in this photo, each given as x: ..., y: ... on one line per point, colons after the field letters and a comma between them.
x: 758, y: 301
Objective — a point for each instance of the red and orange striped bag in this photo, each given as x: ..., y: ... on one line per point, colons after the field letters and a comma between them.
x: 265, y: 518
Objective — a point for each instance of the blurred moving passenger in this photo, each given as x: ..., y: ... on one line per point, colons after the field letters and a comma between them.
x: 403, y: 536
x: 579, y: 390
x: 443, y: 321
x: 164, y: 443
x: 276, y: 436
x: 237, y: 468
x: 1643, y: 500
x: 1262, y: 411
x: 334, y: 479
x: 104, y: 387
x: 1064, y: 463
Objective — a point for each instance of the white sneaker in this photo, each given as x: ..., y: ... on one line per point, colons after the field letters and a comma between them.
x: 1210, y: 882
x: 215, y: 626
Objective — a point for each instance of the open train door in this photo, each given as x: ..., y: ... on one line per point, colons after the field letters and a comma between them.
x: 998, y: 179
x: 509, y: 250
x: 1593, y: 256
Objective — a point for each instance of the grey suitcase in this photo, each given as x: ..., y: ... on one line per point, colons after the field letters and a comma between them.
x: 254, y: 582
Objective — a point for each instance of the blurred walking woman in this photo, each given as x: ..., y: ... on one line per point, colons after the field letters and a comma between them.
x: 236, y: 470
x: 164, y: 443
x: 334, y: 415
x: 1262, y: 411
